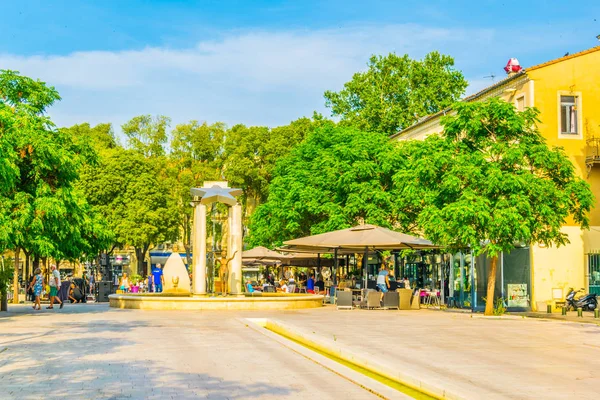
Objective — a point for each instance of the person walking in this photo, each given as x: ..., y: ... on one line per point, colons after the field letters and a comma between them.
x: 92, y: 282
x: 36, y: 285
x: 54, y: 286
x: 158, y: 278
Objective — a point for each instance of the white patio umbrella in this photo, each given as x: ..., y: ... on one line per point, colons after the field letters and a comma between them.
x: 361, y: 238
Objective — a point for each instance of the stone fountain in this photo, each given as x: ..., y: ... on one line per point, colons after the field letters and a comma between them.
x: 177, y: 295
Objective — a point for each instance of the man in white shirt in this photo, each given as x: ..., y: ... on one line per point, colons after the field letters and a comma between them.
x: 54, y: 283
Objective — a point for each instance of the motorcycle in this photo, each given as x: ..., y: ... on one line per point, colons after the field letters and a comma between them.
x: 588, y: 302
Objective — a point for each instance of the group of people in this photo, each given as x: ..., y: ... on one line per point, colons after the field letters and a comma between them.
x: 283, y: 285
x: 37, y: 285
x: 153, y: 283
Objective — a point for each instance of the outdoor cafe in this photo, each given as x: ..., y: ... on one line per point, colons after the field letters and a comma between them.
x: 420, y: 274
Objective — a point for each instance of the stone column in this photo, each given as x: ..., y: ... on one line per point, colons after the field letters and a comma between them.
x: 235, y: 241
x: 199, y: 249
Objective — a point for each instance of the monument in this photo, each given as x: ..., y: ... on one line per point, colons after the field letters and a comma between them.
x: 176, y: 295
x: 217, y: 192
x: 177, y: 280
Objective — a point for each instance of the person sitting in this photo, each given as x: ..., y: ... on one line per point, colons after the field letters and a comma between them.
x: 282, y: 287
x: 310, y: 284
x: 249, y: 287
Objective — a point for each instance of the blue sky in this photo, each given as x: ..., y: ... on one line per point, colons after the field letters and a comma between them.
x: 263, y: 62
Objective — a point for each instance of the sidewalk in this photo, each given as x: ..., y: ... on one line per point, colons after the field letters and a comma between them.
x: 588, y: 317
x: 471, y: 356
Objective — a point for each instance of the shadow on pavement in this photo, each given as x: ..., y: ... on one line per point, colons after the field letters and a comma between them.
x: 91, y: 367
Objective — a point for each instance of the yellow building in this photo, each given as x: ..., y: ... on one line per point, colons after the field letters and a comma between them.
x: 566, y: 91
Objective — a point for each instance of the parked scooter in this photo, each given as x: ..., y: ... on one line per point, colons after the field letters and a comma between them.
x: 588, y: 302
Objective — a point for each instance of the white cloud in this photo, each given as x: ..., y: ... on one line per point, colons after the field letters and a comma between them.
x: 256, y: 77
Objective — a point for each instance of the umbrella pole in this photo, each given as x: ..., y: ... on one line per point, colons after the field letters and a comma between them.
x: 335, y: 266
x: 319, y: 265
x: 365, y: 265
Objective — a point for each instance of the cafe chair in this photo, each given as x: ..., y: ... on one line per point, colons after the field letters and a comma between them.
x: 373, y: 299
x: 391, y: 300
x: 343, y: 299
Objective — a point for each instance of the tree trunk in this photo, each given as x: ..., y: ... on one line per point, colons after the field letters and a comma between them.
x: 140, y: 254
x: 491, y: 285
x: 16, y: 277
x: 28, y: 269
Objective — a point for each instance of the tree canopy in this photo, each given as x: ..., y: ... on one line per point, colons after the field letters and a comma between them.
x: 45, y: 213
x: 336, y: 178
x: 147, y: 135
x: 396, y: 91
x: 126, y: 189
x: 489, y: 181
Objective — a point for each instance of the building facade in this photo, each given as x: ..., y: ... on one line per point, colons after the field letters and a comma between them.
x: 566, y: 91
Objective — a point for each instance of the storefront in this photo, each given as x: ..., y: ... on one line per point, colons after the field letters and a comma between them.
x: 461, y: 278
x: 513, y: 279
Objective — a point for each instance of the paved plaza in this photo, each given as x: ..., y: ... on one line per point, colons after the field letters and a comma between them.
x: 91, y: 351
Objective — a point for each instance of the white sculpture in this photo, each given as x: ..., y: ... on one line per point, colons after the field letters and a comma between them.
x: 176, y: 276
x: 217, y: 192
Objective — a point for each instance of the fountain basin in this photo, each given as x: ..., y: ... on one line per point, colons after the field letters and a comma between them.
x: 165, y: 301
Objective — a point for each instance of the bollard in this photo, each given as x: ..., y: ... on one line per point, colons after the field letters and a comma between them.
x: 564, y: 310
x: 579, y: 312
x: 597, y: 313
x: 549, y: 308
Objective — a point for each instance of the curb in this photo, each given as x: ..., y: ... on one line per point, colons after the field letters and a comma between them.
x: 371, y: 385
x: 330, y: 347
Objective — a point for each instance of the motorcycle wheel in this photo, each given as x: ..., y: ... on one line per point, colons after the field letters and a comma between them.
x: 591, y: 307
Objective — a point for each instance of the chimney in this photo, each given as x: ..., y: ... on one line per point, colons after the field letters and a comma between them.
x: 513, y: 67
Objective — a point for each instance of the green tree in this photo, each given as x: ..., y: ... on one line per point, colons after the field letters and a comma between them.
x: 126, y: 189
x: 252, y: 152
x: 336, y: 178
x: 147, y: 135
x: 44, y: 213
x: 100, y: 137
x: 397, y: 91
x: 196, y: 156
x: 490, y: 181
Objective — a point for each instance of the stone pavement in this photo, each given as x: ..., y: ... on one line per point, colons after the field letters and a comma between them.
x: 470, y: 355
x: 90, y: 351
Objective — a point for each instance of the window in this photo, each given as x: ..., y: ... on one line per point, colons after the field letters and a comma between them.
x: 569, y: 115
x: 520, y: 103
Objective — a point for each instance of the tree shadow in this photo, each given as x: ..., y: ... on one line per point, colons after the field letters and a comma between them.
x: 15, y: 311
x: 92, y: 367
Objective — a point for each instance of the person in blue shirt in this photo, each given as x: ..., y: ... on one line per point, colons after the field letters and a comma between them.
x: 249, y: 287
x: 383, y: 282
x: 310, y: 284
x: 158, y: 277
